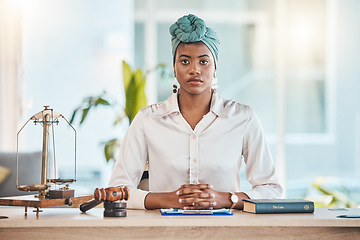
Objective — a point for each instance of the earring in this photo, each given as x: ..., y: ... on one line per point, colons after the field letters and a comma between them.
x: 175, y: 86
x: 214, y: 85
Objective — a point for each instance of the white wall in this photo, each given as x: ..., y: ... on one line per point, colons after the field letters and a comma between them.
x: 71, y: 50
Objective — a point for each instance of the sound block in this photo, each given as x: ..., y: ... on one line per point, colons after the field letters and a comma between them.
x: 114, y: 205
x: 115, y: 213
x: 114, y: 209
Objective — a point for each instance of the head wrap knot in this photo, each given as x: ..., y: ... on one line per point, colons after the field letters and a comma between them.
x: 189, y: 29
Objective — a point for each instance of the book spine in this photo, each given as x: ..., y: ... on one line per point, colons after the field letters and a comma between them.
x: 285, y: 208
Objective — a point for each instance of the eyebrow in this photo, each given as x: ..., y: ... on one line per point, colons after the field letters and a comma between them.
x: 204, y: 55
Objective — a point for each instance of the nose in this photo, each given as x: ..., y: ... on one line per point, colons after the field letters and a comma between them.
x: 194, y: 69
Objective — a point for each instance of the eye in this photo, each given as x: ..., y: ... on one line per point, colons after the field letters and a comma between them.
x: 185, y: 61
x: 204, y: 62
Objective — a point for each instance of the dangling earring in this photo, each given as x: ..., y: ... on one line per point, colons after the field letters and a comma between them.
x: 175, y: 86
x: 214, y: 85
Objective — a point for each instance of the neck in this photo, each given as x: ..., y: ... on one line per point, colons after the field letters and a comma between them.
x: 196, y: 104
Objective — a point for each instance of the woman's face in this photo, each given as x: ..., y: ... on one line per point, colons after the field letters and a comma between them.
x: 194, y: 68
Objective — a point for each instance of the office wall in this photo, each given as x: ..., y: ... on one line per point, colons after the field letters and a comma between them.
x: 72, y: 50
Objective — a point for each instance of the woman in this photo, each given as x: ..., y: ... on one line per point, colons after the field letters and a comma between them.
x: 195, y: 139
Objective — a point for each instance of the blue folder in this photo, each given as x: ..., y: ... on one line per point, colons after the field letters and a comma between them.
x: 177, y: 211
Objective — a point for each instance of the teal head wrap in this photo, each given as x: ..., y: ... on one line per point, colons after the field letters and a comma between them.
x: 189, y: 29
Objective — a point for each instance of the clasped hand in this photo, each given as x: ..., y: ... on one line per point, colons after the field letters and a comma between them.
x: 196, y: 196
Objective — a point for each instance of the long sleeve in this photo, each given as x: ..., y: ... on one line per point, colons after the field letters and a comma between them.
x: 210, y: 153
x: 131, y: 163
x: 260, y: 169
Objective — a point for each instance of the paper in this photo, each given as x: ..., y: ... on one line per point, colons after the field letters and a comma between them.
x: 177, y: 211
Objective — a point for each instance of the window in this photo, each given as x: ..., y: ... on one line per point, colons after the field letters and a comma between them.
x: 269, y: 49
x: 72, y: 50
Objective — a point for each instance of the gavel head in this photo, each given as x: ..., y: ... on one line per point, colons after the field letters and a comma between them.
x: 111, y: 194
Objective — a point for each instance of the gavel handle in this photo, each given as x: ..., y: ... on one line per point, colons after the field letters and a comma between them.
x: 89, y: 205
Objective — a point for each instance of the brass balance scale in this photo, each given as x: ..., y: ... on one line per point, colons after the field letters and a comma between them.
x: 46, y: 197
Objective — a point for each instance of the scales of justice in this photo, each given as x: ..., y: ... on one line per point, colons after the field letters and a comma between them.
x: 49, y: 192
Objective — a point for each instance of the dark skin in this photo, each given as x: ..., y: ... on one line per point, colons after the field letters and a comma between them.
x: 194, y: 68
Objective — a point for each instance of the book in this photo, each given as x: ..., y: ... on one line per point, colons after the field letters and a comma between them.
x: 177, y: 211
x: 278, y: 206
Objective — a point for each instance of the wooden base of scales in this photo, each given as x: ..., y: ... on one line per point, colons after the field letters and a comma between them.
x: 35, y: 202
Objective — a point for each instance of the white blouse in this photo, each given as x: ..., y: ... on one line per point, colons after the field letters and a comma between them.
x: 211, y: 153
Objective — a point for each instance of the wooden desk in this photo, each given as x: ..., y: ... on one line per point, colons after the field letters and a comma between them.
x: 70, y: 223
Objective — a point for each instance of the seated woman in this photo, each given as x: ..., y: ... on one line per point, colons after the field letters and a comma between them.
x: 194, y: 141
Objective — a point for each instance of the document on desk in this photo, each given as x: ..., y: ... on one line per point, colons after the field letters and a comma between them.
x: 177, y: 211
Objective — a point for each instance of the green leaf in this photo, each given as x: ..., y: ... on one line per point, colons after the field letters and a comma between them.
x: 127, y: 75
x: 101, y: 101
x: 135, y: 95
x: 336, y: 190
x: 110, y: 149
x: 131, y: 96
x: 73, y: 115
x: 134, y: 87
x: 84, y: 114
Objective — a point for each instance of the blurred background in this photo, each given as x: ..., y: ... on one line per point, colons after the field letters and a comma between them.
x: 295, y: 62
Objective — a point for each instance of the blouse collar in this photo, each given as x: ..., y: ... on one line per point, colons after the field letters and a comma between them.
x: 169, y: 106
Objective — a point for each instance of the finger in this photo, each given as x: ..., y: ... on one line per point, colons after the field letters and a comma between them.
x: 188, y: 201
x: 204, y: 195
x: 199, y: 195
x: 206, y: 205
x: 184, y: 191
x: 188, y: 190
x: 188, y: 185
x: 192, y: 188
x: 197, y: 202
x: 204, y: 186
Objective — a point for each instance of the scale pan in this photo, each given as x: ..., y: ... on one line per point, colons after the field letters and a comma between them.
x: 61, y: 180
x: 34, y: 187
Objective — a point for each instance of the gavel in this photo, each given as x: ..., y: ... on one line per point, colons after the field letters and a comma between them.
x: 109, y: 194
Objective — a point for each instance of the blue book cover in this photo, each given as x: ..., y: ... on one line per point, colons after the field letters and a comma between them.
x: 278, y: 206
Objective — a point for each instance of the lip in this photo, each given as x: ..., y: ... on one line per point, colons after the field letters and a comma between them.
x: 195, y: 81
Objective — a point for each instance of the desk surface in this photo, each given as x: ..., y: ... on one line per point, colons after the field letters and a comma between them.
x: 150, y: 224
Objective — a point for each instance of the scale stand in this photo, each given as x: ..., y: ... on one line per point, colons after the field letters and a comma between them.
x: 33, y: 201
x: 46, y: 197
